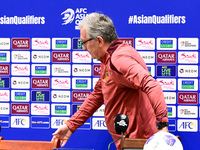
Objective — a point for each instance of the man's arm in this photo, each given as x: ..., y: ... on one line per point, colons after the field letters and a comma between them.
x: 90, y: 105
x: 139, y: 78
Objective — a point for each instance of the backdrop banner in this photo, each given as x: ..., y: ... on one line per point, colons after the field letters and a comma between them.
x: 45, y: 75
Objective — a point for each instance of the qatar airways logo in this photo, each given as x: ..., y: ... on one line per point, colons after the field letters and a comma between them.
x: 81, y: 57
x: 40, y: 109
x: 43, y: 83
x: 145, y: 43
x: 41, y: 43
x: 20, y: 109
x: 21, y: 43
x: 61, y: 83
x: 188, y: 57
x: 4, y: 69
x: 80, y: 96
x: 128, y: 41
x: 167, y: 84
x: 187, y: 98
x: 166, y: 57
x: 61, y: 57
x: 96, y: 70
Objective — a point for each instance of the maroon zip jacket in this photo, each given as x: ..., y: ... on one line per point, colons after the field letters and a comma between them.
x: 126, y: 87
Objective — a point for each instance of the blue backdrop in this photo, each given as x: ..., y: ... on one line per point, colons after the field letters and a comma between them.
x: 50, y: 21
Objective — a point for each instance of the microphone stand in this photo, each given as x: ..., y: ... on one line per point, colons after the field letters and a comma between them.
x: 115, y: 141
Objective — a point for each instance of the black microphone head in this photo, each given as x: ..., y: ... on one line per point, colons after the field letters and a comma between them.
x: 121, y: 123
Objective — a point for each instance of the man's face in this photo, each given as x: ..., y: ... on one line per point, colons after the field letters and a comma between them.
x: 91, y: 45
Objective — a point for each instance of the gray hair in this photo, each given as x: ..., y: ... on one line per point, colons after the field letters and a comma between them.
x: 99, y: 25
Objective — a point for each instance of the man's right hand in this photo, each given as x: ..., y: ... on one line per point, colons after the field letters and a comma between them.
x: 63, y: 133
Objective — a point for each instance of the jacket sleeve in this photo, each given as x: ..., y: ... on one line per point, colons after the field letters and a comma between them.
x: 89, y: 106
x: 139, y: 78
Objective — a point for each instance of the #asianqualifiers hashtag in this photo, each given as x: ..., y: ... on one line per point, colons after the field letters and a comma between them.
x: 166, y: 19
x: 22, y: 20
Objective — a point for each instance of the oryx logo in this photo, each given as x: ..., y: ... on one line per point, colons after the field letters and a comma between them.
x: 68, y: 16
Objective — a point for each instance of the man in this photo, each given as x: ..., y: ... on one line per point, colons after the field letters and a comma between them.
x: 125, y: 85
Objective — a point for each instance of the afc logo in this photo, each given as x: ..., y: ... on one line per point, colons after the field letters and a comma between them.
x: 59, y: 122
x: 187, y: 125
x: 71, y: 15
x: 99, y: 124
x: 19, y: 122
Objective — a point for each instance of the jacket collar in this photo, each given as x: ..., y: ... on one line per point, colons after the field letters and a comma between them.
x: 114, y: 45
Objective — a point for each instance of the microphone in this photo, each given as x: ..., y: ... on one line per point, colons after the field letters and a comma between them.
x: 0, y: 128
x: 121, y: 125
